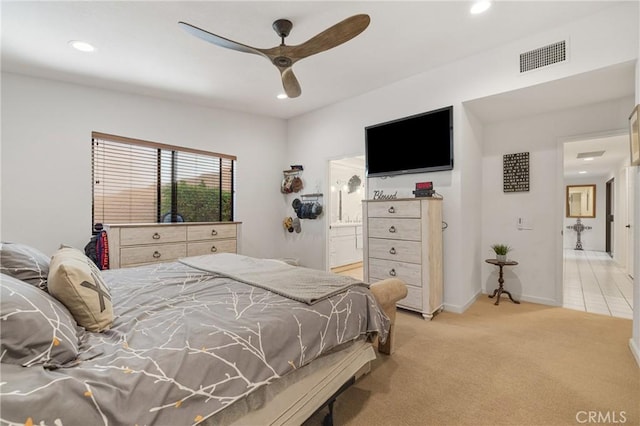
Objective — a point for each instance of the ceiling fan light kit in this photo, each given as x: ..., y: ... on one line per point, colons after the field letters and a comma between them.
x: 284, y: 56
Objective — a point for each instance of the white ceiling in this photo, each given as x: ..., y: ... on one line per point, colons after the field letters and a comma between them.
x: 141, y: 49
x: 616, y: 152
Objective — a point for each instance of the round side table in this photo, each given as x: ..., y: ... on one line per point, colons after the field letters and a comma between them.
x: 498, y: 292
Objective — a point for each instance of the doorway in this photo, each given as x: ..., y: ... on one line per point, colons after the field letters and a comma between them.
x: 609, y: 231
x: 347, y: 190
x: 594, y: 279
x: 629, y: 223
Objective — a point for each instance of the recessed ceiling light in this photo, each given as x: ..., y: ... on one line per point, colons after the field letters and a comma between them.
x: 588, y: 159
x: 480, y: 6
x: 282, y: 96
x: 582, y: 172
x: 82, y: 46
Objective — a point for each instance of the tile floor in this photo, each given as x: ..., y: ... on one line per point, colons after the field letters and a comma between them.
x: 593, y: 282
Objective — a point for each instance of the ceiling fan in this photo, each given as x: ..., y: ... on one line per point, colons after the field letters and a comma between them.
x: 283, y: 56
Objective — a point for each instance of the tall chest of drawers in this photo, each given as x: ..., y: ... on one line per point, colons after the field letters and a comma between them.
x: 403, y: 239
x: 140, y: 244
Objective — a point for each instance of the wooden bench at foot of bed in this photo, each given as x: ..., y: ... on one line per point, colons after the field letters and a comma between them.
x: 387, y: 293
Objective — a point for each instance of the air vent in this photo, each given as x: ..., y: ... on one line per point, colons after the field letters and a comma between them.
x: 543, y: 56
x: 590, y: 154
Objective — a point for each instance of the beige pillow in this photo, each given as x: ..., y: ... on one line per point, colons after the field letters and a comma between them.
x: 76, y: 282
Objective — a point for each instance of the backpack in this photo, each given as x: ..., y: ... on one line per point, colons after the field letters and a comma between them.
x: 97, y: 249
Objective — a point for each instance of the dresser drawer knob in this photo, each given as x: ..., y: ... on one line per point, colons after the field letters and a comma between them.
x: 214, y: 232
x: 156, y: 236
x: 392, y: 229
x: 391, y: 209
x: 214, y: 249
x: 392, y: 272
x: 156, y: 254
x: 393, y: 250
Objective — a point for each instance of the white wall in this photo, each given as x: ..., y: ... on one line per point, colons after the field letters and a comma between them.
x: 634, y: 342
x: 46, y: 158
x: 599, y: 41
x: 534, y: 279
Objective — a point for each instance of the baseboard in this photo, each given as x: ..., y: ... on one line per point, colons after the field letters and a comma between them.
x: 460, y: 309
x: 539, y: 300
x: 635, y: 350
x: 347, y: 267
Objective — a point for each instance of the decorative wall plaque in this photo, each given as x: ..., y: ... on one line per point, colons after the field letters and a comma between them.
x: 515, y: 175
x: 380, y: 195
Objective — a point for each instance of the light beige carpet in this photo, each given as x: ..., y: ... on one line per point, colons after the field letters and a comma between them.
x: 509, y: 364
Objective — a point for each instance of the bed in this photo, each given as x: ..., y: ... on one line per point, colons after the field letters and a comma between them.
x: 216, y: 339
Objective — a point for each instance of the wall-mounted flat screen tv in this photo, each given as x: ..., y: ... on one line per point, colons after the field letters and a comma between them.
x: 416, y: 144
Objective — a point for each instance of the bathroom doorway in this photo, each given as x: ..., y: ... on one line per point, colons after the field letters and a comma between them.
x: 347, y: 190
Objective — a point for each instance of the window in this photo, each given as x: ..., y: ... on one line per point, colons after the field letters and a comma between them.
x: 137, y: 181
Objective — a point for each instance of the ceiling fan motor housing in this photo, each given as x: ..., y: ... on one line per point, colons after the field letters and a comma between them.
x: 282, y: 61
x: 282, y: 27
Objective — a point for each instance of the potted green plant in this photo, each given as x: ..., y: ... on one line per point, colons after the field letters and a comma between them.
x: 501, y: 251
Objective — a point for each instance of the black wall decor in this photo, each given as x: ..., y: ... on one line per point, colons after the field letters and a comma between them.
x: 515, y: 175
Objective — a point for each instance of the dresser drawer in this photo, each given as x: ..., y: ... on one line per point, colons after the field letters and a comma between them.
x: 397, y: 229
x: 397, y: 250
x: 381, y: 269
x: 139, y: 244
x: 393, y: 209
x: 413, y: 299
x: 151, y: 253
x: 208, y: 247
x: 151, y: 235
x: 211, y: 231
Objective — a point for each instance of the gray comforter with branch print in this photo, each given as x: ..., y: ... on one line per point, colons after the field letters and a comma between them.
x: 186, y: 343
x: 297, y: 283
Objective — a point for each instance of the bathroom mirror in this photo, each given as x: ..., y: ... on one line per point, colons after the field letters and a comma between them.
x: 581, y: 201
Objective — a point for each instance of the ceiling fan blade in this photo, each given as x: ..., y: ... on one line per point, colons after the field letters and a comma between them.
x: 283, y: 56
x: 218, y: 40
x: 333, y: 36
x: 290, y: 83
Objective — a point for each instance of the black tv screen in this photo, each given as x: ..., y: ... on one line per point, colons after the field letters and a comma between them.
x: 416, y: 144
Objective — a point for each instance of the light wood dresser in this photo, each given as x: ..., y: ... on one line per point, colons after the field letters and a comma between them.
x: 140, y: 244
x: 403, y: 239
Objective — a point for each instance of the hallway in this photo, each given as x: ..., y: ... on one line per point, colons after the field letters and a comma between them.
x: 593, y: 282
